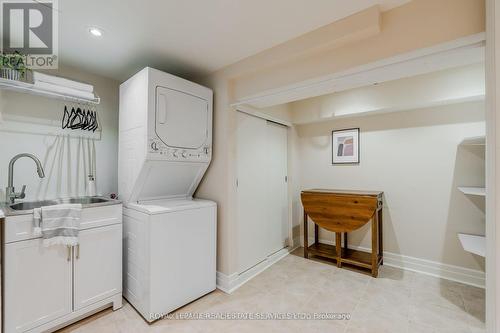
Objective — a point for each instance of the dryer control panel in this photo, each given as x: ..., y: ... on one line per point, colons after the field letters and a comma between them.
x: 160, y: 150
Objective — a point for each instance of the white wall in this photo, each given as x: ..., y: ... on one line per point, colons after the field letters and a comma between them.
x: 415, y: 158
x: 62, y: 163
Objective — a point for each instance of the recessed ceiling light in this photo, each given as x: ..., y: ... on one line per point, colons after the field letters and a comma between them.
x: 95, y: 31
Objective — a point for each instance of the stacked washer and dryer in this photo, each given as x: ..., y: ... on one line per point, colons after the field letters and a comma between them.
x: 165, y: 149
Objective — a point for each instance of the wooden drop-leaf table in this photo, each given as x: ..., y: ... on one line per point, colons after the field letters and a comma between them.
x: 342, y: 211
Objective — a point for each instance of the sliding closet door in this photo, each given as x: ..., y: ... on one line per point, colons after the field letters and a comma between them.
x: 262, y: 190
x: 251, y: 201
x: 277, y: 190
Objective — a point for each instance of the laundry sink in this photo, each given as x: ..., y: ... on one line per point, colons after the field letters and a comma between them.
x: 27, y: 207
x: 32, y: 205
x: 85, y: 200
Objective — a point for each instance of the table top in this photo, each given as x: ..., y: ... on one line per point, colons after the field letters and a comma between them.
x: 345, y: 192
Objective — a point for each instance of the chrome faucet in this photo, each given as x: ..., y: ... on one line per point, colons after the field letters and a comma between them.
x: 10, y: 191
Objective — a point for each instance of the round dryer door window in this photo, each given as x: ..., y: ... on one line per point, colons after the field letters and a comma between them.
x: 181, y: 119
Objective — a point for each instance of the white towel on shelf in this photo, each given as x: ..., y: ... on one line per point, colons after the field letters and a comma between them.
x: 63, y: 90
x: 60, y: 81
x: 58, y: 224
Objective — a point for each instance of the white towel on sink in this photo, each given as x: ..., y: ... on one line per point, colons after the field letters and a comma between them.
x: 58, y: 224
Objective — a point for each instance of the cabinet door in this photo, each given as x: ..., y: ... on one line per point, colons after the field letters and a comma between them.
x: 38, y: 284
x: 97, y: 265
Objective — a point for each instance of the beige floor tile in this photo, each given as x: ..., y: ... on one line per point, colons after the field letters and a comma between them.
x: 365, y: 319
x: 427, y: 282
x: 438, y: 317
x: 325, y: 303
x: 419, y: 328
x: 318, y: 326
x: 475, y: 305
x: 389, y: 301
x: 396, y: 302
x: 477, y: 330
x: 445, y: 297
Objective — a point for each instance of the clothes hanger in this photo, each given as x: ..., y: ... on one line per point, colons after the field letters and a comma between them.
x: 96, y: 126
x: 78, y: 115
x: 65, y: 119
x: 80, y: 118
x: 86, y: 121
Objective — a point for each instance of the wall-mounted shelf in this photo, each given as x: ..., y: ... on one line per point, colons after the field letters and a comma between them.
x: 474, y: 141
x: 30, y: 88
x: 474, y: 244
x: 478, y: 191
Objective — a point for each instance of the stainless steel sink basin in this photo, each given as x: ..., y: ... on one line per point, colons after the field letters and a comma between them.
x: 32, y: 205
x: 86, y: 201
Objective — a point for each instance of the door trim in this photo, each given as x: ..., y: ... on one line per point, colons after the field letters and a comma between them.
x: 492, y: 167
x: 256, y: 113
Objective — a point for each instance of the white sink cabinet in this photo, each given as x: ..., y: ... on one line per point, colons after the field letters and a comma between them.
x: 46, y: 288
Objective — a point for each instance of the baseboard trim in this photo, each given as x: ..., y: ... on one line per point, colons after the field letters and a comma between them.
x: 463, y: 275
x: 229, y: 283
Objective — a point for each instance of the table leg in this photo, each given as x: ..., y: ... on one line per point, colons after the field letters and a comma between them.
x: 345, y: 240
x: 338, y: 248
x: 316, y: 233
x: 375, y: 247
x: 380, y: 236
x: 306, y: 245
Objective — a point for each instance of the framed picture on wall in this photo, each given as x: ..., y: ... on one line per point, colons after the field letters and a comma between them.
x: 345, y: 146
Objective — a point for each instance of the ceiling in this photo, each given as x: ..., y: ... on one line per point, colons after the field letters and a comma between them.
x: 187, y: 37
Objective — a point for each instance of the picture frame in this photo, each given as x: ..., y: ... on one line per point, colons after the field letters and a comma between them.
x: 345, y: 146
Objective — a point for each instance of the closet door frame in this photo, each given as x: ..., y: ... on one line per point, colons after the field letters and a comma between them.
x: 492, y: 165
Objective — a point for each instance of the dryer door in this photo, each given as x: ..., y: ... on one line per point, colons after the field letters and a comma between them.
x: 181, y: 119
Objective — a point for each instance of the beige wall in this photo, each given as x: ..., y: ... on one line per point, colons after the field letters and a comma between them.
x: 421, y: 23
x: 442, y: 87
x: 59, y: 155
x: 418, y: 24
x: 415, y: 158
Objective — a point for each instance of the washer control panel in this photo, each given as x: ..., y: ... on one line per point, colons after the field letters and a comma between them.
x: 158, y: 148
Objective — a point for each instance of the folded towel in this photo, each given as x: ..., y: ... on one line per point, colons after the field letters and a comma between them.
x: 63, y: 90
x: 58, y: 224
x: 60, y: 81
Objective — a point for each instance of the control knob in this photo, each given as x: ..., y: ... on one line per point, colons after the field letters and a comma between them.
x: 184, y: 154
x: 174, y: 154
x: 154, y: 146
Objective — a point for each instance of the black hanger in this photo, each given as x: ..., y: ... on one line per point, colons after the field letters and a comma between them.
x: 80, y: 119
x: 70, y: 118
x: 96, y: 126
x: 65, y: 119
x: 86, y: 120
x: 78, y: 115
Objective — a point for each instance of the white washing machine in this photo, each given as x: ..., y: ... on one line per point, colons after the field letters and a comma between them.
x: 165, y: 149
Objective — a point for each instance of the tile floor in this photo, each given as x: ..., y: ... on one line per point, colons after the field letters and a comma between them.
x: 398, y: 301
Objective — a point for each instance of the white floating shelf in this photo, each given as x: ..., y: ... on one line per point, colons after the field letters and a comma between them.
x: 473, y: 244
x: 30, y: 88
x: 474, y: 141
x: 479, y: 191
